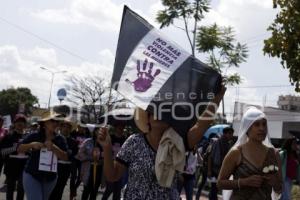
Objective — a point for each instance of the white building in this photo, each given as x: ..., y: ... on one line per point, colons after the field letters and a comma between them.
x: 289, y: 102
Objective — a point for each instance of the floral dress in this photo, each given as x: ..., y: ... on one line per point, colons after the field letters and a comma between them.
x: 139, y: 157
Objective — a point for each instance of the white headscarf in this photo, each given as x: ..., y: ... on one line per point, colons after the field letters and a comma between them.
x: 251, y: 115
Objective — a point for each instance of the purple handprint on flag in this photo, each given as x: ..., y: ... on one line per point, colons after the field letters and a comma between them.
x: 144, y: 78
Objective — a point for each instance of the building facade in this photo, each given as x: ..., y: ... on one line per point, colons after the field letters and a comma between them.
x: 289, y: 102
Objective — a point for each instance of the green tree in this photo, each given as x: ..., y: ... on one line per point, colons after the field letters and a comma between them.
x: 285, y: 40
x: 185, y: 10
x: 13, y: 98
x: 223, y: 51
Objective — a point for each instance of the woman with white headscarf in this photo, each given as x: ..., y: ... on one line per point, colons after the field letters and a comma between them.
x: 253, y: 162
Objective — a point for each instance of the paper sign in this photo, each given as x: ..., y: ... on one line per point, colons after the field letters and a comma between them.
x: 7, y: 121
x: 151, y: 64
x: 48, y: 161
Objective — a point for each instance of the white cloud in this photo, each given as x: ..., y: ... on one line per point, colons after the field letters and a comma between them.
x: 21, y: 68
x: 88, y: 69
x: 155, y: 7
x: 249, y: 18
x: 9, y: 58
x: 152, y: 12
x: 19, y: 72
x: 107, y: 59
x: 103, y: 68
x: 42, y: 56
x: 215, y: 16
x: 104, y: 14
x: 258, y: 3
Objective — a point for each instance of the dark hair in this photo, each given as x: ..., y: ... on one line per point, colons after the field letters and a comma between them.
x: 42, y: 127
x: 20, y: 117
x: 228, y: 129
x: 213, y: 135
x: 287, y: 145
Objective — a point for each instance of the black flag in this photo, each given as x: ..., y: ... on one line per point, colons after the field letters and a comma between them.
x: 159, y: 76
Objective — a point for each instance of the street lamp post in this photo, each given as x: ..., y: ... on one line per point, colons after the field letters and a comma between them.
x: 52, y: 78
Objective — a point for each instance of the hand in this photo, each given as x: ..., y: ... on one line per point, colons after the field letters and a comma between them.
x: 272, y: 179
x: 252, y: 181
x: 144, y: 77
x: 181, y: 178
x: 103, y: 137
x: 218, y: 98
x: 36, y: 145
x: 49, y: 145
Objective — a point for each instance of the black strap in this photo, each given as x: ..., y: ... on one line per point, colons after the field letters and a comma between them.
x: 186, y: 161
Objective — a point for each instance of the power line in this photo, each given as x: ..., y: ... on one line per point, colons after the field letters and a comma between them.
x: 262, y: 86
x: 42, y: 39
x: 255, y: 38
x: 257, y: 100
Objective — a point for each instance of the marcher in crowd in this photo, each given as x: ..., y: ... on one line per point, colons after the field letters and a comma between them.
x: 45, y: 147
x: 64, y: 168
x: 34, y: 128
x: 90, y: 154
x: 3, y: 133
x: 117, y: 140
x: 218, y: 152
x: 79, y: 135
x: 290, y: 162
x: 138, y: 155
x: 4, y: 186
x: 14, y: 161
x: 187, y: 178
x: 203, y: 153
x: 253, y: 162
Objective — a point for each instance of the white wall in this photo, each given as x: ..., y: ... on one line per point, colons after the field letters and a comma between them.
x: 275, y: 129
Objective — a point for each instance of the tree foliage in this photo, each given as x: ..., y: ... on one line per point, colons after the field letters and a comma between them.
x: 185, y: 10
x: 13, y: 98
x: 285, y: 40
x: 222, y: 49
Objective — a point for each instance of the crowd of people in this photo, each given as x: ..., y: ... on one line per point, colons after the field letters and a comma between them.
x: 38, y: 160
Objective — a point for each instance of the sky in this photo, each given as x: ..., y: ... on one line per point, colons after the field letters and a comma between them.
x: 80, y: 37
